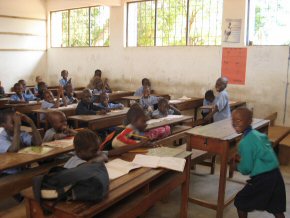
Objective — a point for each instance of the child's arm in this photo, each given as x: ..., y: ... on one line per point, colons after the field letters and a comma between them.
x: 62, y: 96
x: 15, y: 145
x: 210, y: 115
x: 56, y: 105
x: 176, y: 111
x: 36, y: 137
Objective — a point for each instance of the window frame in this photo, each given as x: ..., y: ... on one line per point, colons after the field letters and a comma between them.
x: 155, y: 29
x: 68, y: 10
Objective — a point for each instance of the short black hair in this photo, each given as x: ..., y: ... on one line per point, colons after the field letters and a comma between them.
x: 162, y: 101
x: 246, y: 112
x: 6, y: 113
x: 51, y: 114
x: 134, y: 113
x: 21, y: 81
x: 84, y: 139
x: 146, y: 80
x: 63, y: 72
x: 98, y: 72
x: 209, y: 94
x: 16, y: 84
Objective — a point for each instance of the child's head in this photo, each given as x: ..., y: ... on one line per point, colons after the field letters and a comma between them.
x: 87, y: 96
x: 137, y: 117
x: 221, y: 84
x: 18, y: 88
x: 23, y: 83
x: 6, y: 120
x: 69, y: 89
x: 104, y: 98
x: 146, y: 82
x: 86, y: 144
x: 163, y: 105
x: 98, y: 73
x: 57, y: 120
x: 48, y: 96
x: 38, y: 79
x: 64, y: 74
x: 146, y: 91
x: 209, y: 96
x: 242, y: 119
x: 42, y: 86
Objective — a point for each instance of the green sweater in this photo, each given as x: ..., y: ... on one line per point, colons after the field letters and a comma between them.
x: 257, y: 154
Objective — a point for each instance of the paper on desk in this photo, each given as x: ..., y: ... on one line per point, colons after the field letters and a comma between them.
x: 165, y: 151
x: 64, y: 143
x: 117, y: 168
x: 174, y: 101
x: 35, y: 150
x: 169, y: 117
x: 184, y: 98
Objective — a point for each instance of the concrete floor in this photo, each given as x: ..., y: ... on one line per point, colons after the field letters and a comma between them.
x: 203, y: 186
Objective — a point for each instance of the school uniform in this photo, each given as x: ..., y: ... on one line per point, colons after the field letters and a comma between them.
x: 139, y: 92
x: 17, y: 98
x: 265, y: 190
x: 63, y: 82
x: 87, y: 109
x: 157, y: 113
x: 150, y: 101
x: 49, y: 135
x: 36, y: 89
x: 6, y: 142
x: 70, y: 99
x: 45, y: 105
x: 111, y: 106
x: 223, y: 106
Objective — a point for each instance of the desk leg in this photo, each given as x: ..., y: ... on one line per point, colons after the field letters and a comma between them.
x: 222, y: 185
x: 185, y: 189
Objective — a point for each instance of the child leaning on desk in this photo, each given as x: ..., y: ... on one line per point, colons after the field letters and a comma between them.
x: 164, y: 109
x: 64, y: 81
x: 265, y: 190
x: 207, y: 101
x: 148, y: 101
x: 106, y: 105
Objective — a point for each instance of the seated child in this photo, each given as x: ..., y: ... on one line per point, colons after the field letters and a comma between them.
x: 60, y: 129
x: 69, y: 94
x: 221, y: 109
x: 98, y: 87
x: 26, y: 91
x: 134, y: 133
x: 145, y: 83
x: 64, y: 81
x: 106, y: 105
x: 265, y: 190
x: 2, y: 91
x: 38, y: 79
x: 18, y: 97
x: 12, y: 138
x: 107, y: 86
x: 164, y: 109
x: 42, y: 87
x: 148, y: 101
x: 207, y: 101
x: 86, y: 105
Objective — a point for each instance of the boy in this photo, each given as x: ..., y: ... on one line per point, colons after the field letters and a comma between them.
x: 164, y: 109
x: 11, y: 138
x: 106, y: 105
x: 221, y: 109
x: 64, y: 81
x: 18, y: 97
x: 265, y: 190
x: 26, y: 91
x: 38, y: 79
x: 207, y: 101
x: 60, y: 129
x: 41, y: 88
x: 69, y: 94
x: 86, y: 106
x: 148, y: 101
x: 145, y: 83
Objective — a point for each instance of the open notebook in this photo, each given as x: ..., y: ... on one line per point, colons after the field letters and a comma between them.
x: 39, y: 150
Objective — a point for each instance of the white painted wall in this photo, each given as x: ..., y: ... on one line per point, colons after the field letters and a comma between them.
x: 16, y: 61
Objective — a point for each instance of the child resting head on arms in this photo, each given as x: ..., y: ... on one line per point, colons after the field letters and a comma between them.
x: 60, y: 129
x: 106, y: 105
x: 18, y: 97
x: 164, y: 109
x: 265, y: 191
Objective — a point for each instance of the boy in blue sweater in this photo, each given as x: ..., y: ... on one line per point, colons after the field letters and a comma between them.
x: 265, y: 190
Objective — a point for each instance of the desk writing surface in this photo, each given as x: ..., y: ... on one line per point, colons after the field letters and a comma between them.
x: 222, y: 129
x: 69, y: 107
x: 232, y: 104
x: 165, y: 122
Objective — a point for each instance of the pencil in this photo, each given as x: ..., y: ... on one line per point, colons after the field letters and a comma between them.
x: 139, y: 136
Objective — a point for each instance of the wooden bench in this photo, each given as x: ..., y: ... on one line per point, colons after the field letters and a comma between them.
x: 284, y: 151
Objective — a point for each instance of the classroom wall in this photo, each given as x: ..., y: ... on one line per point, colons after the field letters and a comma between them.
x: 22, y: 40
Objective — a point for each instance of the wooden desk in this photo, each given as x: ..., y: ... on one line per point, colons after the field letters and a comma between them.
x: 192, y: 103
x: 26, y: 108
x: 3, y: 101
x: 118, y: 95
x: 129, y: 196
x: 69, y: 110
x: 233, y: 105
x: 219, y: 138
x: 137, y: 98
x: 168, y: 122
x: 97, y: 122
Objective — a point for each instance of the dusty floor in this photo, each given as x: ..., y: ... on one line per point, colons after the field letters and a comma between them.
x: 202, y: 185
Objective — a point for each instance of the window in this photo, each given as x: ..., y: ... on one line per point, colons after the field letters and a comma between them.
x: 269, y: 22
x: 82, y: 27
x: 174, y: 22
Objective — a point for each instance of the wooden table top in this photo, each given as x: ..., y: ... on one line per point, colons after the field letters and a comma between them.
x: 137, y: 98
x: 232, y: 104
x: 4, y: 99
x: 222, y: 129
x: 89, y: 118
x: 30, y: 103
x: 118, y: 189
x: 165, y: 122
x: 69, y: 107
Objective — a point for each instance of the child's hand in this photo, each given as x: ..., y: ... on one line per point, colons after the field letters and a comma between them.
x: 26, y: 119
x: 69, y: 81
x: 17, y: 120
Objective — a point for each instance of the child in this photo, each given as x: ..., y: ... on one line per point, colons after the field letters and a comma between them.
x: 60, y: 129
x: 69, y: 94
x: 164, y: 109
x: 148, y: 101
x: 86, y: 106
x: 97, y: 75
x: 207, y: 101
x: 18, y: 97
x: 265, y: 190
x: 38, y: 79
x: 98, y: 86
x: 11, y: 138
x: 145, y: 83
x: 107, y: 86
x: 64, y: 81
x: 42, y: 87
x: 2, y: 92
x: 106, y: 105
x: 26, y: 91
x: 134, y: 133
x: 221, y: 109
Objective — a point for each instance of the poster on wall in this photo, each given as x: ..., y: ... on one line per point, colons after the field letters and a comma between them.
x: 232, y: 32
x: 234, y: 63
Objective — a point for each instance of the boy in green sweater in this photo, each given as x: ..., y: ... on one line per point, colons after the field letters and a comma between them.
x: 265, y: 190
